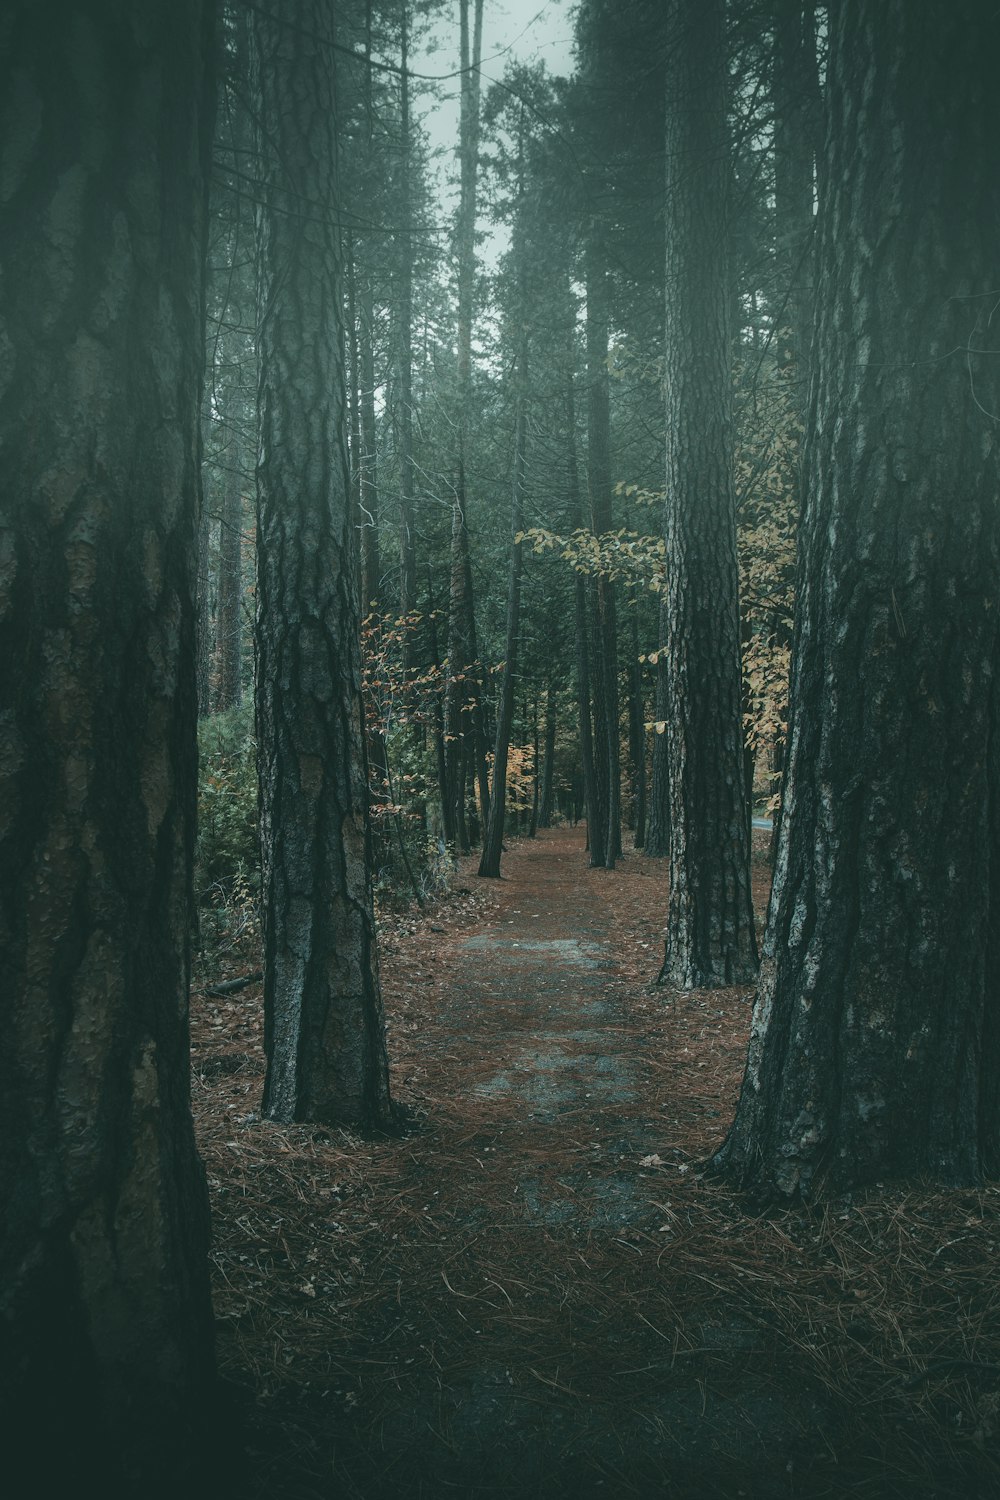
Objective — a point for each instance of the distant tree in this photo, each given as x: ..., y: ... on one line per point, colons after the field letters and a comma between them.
x: 710, y: 928
x: 104, y: 1297
x: 875, y: 1046
x: 323, y: 1018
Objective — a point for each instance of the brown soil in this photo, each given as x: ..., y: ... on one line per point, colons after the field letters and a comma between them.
x: 537, y: 1292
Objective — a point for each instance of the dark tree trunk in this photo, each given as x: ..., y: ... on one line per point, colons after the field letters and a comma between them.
x: 107, y: 1360
x: 637, y: 731
x: 604, y: 820
x: 404, y: 412
x: 536, y: 780
x: 462, y: 665
x: 875, y: 1046
x: 489, y: 864
x: 546, y: 799
x: 580, y: 604
x: 203, y: 595
x: 229, y: 633
x: 795, y: 90
x: 323, y: 1021
x: 371, y: 559
x: 658, y: 830
x: 710, y: 932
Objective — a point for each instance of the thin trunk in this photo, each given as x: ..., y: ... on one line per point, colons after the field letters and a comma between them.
x: 489, y: 864
x: 229, y: 634
x: 605, y: 830
x: 404, y: 414
x: 371, y: 560
x: 580, y: 609
x: 463, y: 665
x: 107, y: 1367
x: 354, y: 388
x: 536, y: 777
x: 637, y: 731
x: 548, y: 774
x: 324, y: 1029
x: 657, y: 844
x: 204, y: 606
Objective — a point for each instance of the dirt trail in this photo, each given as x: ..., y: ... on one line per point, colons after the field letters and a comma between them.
x: 534, y: 1294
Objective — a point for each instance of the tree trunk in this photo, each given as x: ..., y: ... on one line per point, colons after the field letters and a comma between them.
x: 404, y: 413
x: 107, y: 1362
x: 795, y: 91
x: 489, y: 864
x: 371, y: 559
x: 875, y: 1046
x: 323, y: 1021
x: 546, y: 800
x: 229, y: 634
x: 203, y: 595
x: 657, y: 843
x: 604, y: 820
x: 580, y: 603
x: 710, y: 932
x: 637, y: 730
x: 464, y: 669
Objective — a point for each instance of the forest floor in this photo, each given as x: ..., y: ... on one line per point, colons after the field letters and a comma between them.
x: 537, y: 1292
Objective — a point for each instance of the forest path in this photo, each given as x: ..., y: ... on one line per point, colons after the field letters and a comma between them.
x: 534, y: 1293
x: 540, y: 1350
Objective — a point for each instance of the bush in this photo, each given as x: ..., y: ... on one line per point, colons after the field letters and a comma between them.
x: 227, y: 851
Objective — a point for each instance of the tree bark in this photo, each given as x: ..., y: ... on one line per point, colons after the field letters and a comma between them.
x: 710, y: 931
x: 107, y: 1361
x: 203, y: 595
x: 580, y: 601
x: 229, y: 634
x: 464, y: 726
x: 604, y: 819
x: 875, y: 1037
x: 404, y: 411
x: 637, y: 729
x: 657, y: 845
x: 547, y: 797
x: 489, y: 864
x: 795, y: 91
x: 323, y: 1020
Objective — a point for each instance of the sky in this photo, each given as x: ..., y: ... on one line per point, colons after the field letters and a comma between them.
x: 524, y: 30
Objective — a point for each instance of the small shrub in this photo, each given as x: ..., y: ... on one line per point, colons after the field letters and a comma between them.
x: 227, y: 853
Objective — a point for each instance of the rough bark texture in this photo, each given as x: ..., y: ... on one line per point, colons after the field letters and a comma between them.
x: 795, y: 91
x: 636, y: 728
x: 710, y: 932
x: 203, y: 595
x: 105, y: 1320
x: 229, y: 631
x: 604, y: 818
x: 489, y: 864
x: 324, y: 1029
x: 546, y: 799
x: 404, y: 410
x: 874, y: 1046
x: 657, y: 843
x: 580, y: 610
x: 464, y: 731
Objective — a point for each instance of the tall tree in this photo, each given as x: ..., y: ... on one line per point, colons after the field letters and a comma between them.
x: 489, y: 864
x: 464, y: 729
x: 229, y: 631
x: 604, y: 817
x: 710, y: 932
x: 875, y: 1046
x: 104, y: 1297
x: 323, y: 1018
